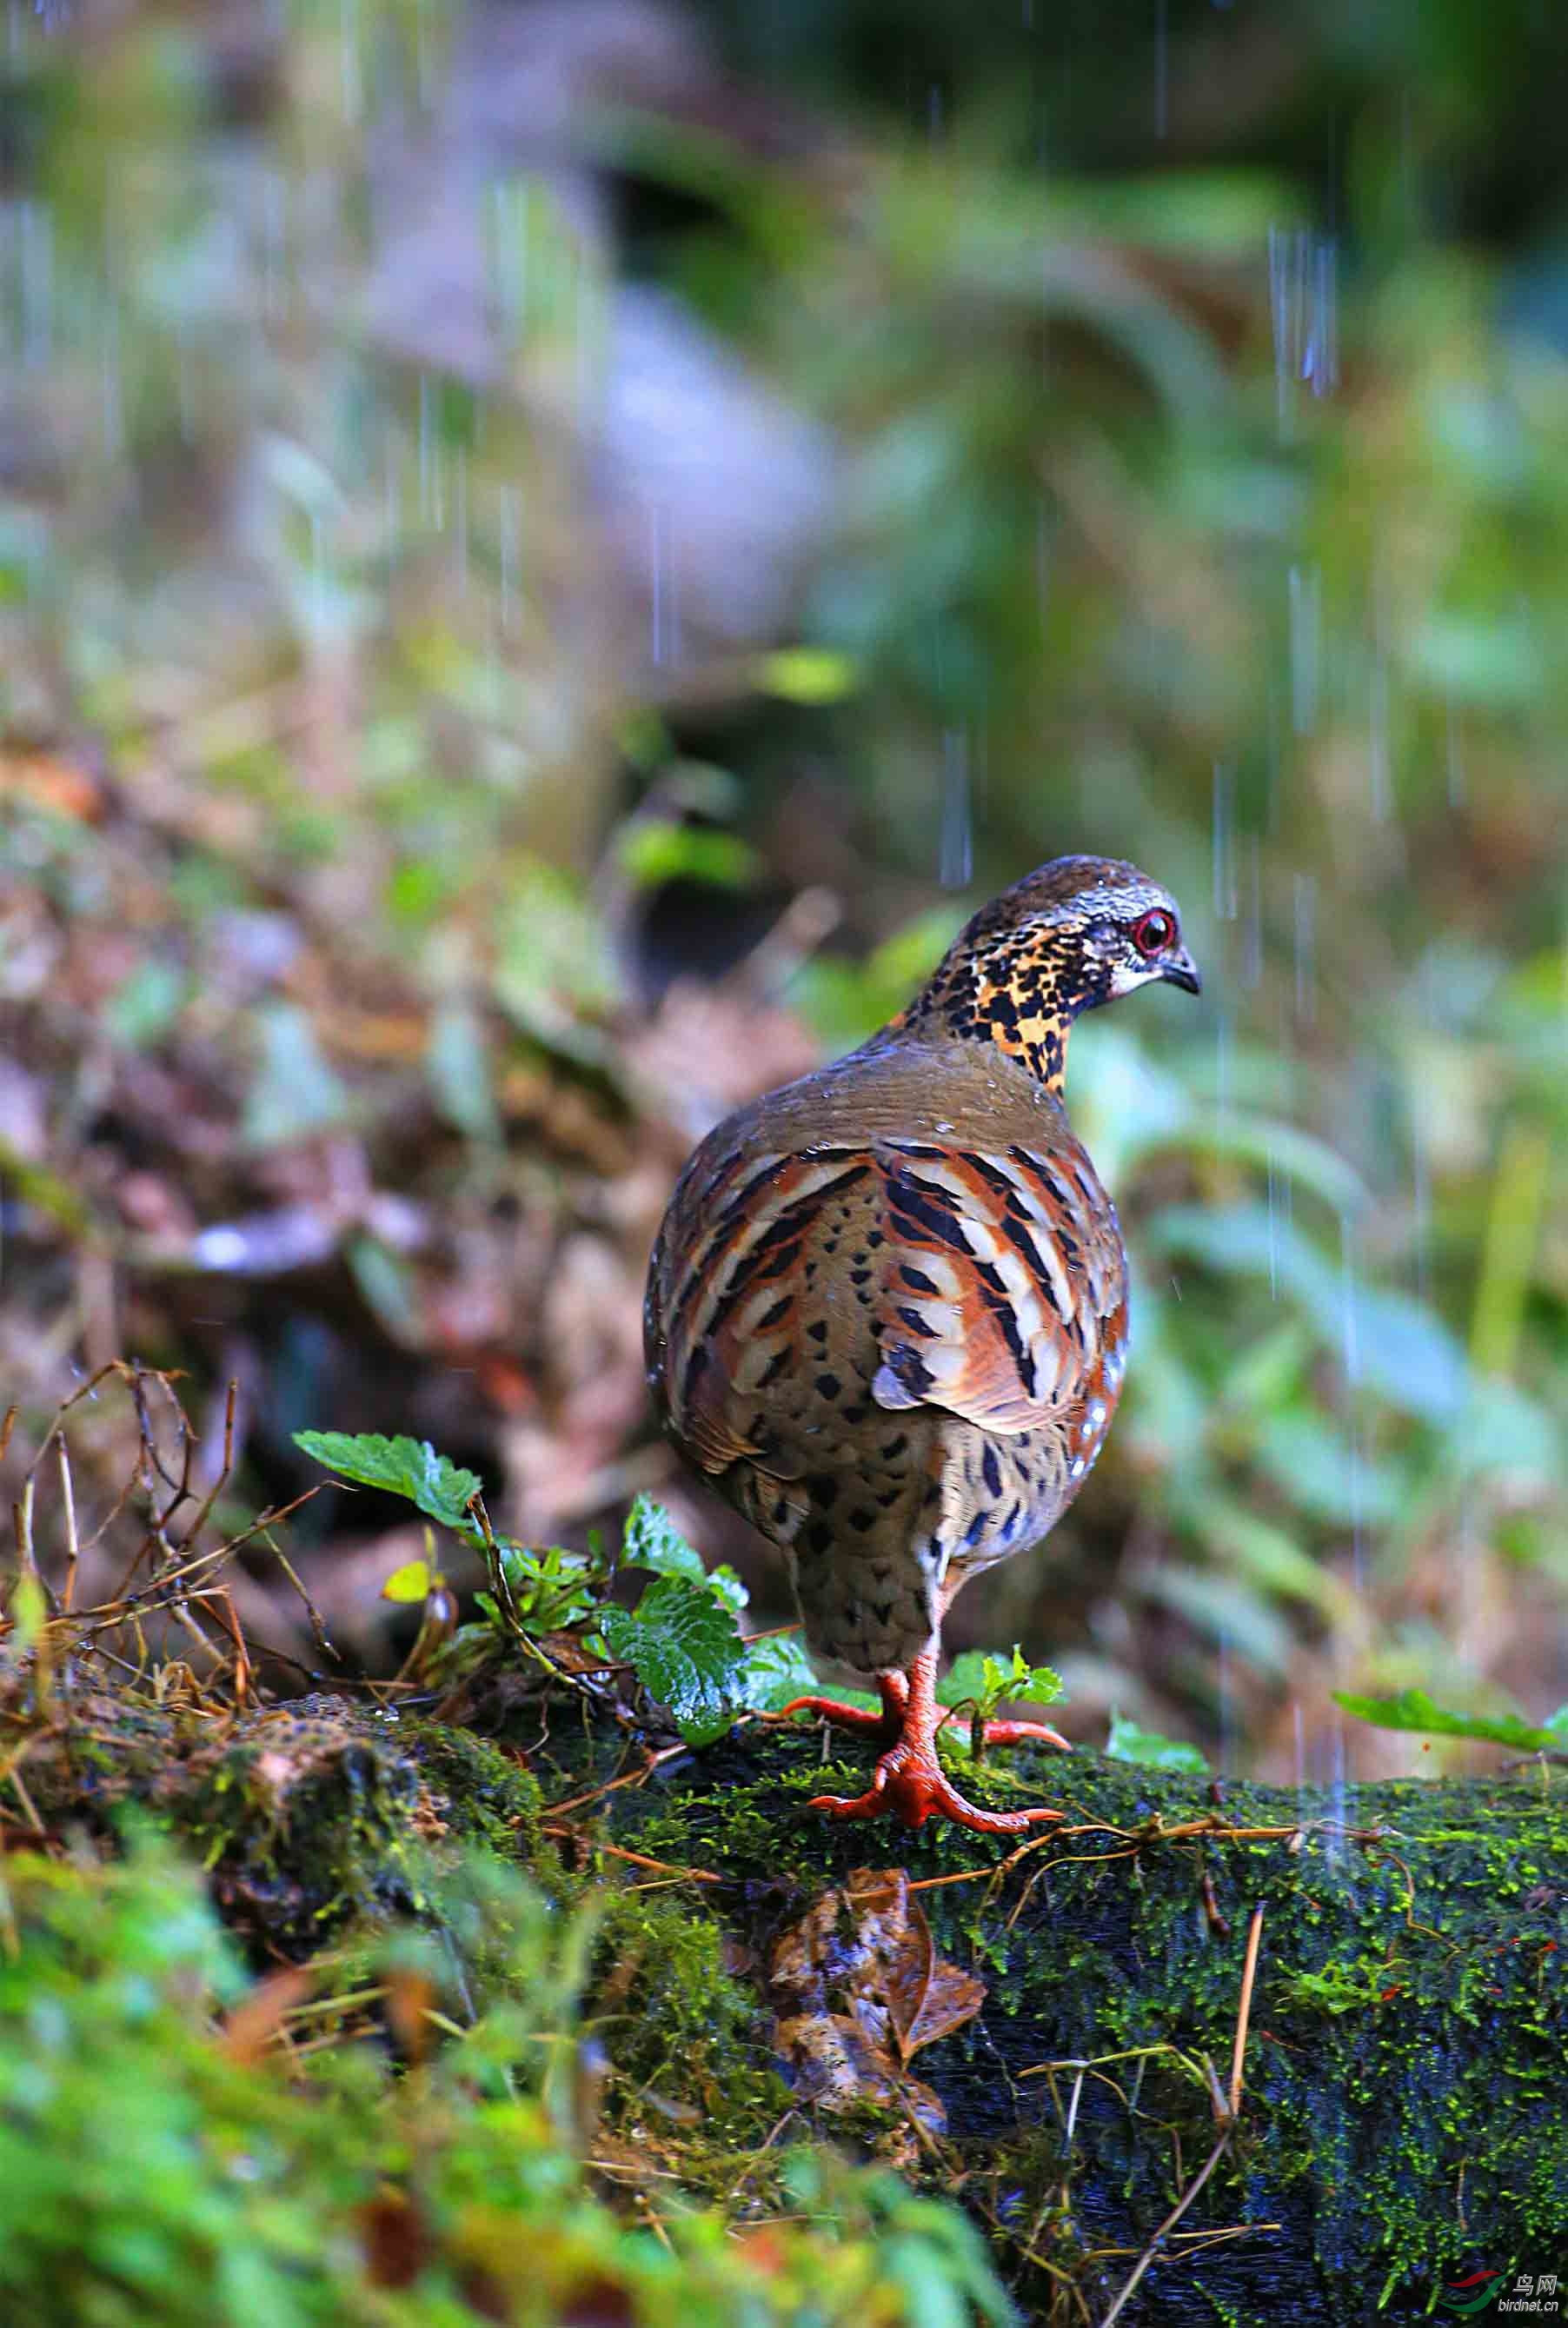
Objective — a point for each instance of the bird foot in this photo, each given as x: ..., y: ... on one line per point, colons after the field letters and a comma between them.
x: 887, y: 1723
x: 909, y: 1782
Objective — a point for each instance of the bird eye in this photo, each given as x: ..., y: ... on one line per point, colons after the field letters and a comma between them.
x: 1154, y: 931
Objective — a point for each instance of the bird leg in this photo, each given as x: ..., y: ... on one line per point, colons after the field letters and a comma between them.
x: 908, y: 1780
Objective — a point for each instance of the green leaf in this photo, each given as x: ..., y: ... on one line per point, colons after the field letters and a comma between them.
x: 457, y: 1065
x: 402, y: 1467
x: 1414, y: 1709
x: 412, y: 1582
x: 776, y: 1670
x: 660, y: 849
x: 1129, y: 1744
x: 549, y: 1589
x: 1383, y: 1336
x: 653, y: 1541
x: 294, y: 1092
x: 145, y: 1006
x: 686, y: 1651
x: 806, y: 674
x: 977, y: 1679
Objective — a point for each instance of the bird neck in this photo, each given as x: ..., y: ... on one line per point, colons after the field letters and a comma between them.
x: 1021, y: 998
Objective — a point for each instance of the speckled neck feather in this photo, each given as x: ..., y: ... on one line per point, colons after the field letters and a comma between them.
x: 1019, y: 988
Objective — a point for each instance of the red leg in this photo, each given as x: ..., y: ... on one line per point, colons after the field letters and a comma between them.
x: 909, y: 1781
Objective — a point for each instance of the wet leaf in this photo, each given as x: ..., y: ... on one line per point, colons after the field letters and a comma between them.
x: 1414, y: 1709
x: 977, y: 1679
x: 652, y: 1540
x: 860, y: 1988
x: 776, y: 1670
x: 685, y: 1649
x: 402, y: 1467
x: 412, y: 1582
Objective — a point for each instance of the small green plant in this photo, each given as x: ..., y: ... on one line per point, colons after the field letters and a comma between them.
x: 681, y: 1638
x: 979, y: 1685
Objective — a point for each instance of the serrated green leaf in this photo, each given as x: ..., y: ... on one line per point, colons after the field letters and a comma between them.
x: 1414, y: 1709
x: 1129, y: 1744
x: 976, y: 1677
x: 686, y: 1651
x: 402, y: 1467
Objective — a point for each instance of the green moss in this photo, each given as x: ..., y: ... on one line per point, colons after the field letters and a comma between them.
x: 1409, y: 2023
x: 306, y: 1818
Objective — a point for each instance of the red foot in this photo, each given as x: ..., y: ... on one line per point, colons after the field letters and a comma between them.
x: 908, y: 1780
x: 888, y: 1724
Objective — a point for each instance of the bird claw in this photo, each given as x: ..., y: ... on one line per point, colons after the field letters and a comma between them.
x: 882, y: 1724
x: 1014, y: 1733
x: 909, y: 1782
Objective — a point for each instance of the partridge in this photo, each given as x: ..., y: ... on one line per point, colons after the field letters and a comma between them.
x: 887, y: 1310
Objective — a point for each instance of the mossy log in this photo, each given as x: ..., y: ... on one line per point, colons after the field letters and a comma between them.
x: 1404, y: 2112
x: 1404, y: 2105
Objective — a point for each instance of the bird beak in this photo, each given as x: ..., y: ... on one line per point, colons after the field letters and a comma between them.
x: 1181, y: 970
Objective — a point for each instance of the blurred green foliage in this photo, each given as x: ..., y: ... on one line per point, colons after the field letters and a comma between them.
x: 231, y: 2179
x: 1136, y: 430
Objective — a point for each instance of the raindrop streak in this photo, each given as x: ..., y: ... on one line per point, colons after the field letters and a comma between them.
x: 1252, y: 970
x: 1306, y: 646
x: 1161, y: 67
x: 1457, y: 788
x: 36, y: 235
x: 351, y: 86
x: 1377, y: 742
x: 1334, y: 1850
x: 1420, y: 1206
x: 955, y: 848
x: 1351, y: 1332
x: 1306, y: 895
x: 1225, y: 871
x: 1298, y: 1729
x: 1304, y: 310
x: 663, y: 615
x: 510, y: 527
x: 274, y: 197
x: 1226, y: 1708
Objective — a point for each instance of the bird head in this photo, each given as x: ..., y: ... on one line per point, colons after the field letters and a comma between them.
x: 1072, y: 935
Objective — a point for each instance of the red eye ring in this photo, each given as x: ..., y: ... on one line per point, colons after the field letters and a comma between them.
x: 1154, y: 931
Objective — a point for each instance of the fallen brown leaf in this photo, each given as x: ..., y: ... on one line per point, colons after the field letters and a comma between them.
x: 860, y: 1989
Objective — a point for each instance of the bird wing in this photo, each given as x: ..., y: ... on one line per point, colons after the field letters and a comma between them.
x: 989, y: 1282
x: 1007, y: 1283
